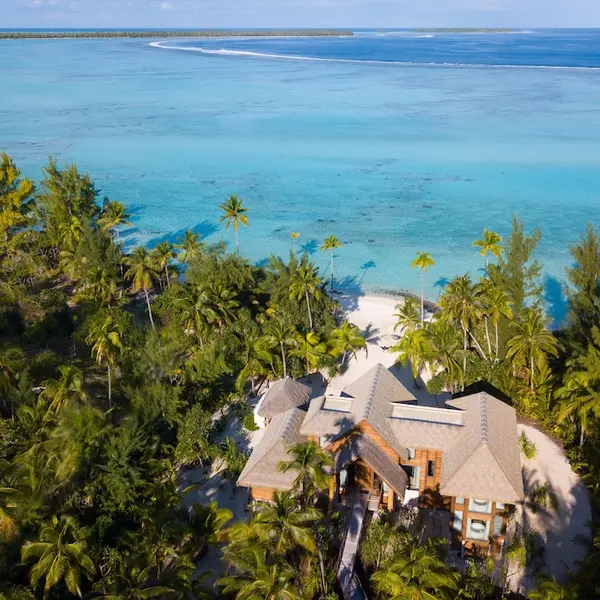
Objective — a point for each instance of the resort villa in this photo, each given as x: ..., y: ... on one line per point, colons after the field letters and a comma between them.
x: 460, y: 459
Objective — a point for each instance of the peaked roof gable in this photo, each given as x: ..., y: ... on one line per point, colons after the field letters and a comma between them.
x: 282, y: 395
x: 484, y: 461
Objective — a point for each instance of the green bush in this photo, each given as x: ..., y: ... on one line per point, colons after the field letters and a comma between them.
x: 249, y: 423
x: 527, y: 446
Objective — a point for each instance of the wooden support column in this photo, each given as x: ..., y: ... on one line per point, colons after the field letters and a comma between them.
x: 332, y: 489
x: 390, y: 499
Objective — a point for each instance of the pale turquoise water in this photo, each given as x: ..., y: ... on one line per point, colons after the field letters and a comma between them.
x: 390, y: 158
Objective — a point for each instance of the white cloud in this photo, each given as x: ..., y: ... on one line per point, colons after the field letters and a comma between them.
x: 165, y: 6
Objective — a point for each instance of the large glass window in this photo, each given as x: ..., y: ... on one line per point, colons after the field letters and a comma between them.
x: 458, y: 521
x: 498, y: 524
x: 415, y: 479
x: 499, y: 505
x: 478, y: 530
x: 460, y: 500
x: 430, y: 468
x: 480, y: 506
x: 411, y: 454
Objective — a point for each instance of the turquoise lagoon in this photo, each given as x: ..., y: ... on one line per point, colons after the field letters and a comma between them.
x: 376, y: 142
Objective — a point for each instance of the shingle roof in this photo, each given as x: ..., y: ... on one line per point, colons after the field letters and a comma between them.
x: 283, y: 395
x: 361, y: 446
x: 372, y: 396
x: 484, y: 462
x: 261, y: 469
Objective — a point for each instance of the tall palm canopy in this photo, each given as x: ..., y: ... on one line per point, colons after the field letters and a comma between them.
x: 306, y: 283
x: 189, y: 246
x: 346, y: 341
x: 532, y: 342
x: 312, y: 463
x: 423, y: 261
x: 60, y: 554
x: 114, y: 214
x: 329, y: 245
x: 234, y: 214
x: 105, y: 338
x: 490, y: 243
x: 142, y: 274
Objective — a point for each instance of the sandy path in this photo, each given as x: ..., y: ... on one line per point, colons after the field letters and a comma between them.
x: 556, y: 529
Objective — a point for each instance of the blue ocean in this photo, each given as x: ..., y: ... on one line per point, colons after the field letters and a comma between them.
x: 393, y: 141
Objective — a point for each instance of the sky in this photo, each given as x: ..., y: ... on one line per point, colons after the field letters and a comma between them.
x: 298, y: 13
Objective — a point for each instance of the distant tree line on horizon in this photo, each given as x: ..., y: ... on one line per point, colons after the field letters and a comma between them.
x: 158, y: 33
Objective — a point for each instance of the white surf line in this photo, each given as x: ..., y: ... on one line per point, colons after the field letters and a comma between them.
x: 246, y: 53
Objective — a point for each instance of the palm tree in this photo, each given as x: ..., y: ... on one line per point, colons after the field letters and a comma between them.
x: 310, y: 462
x: 329, y: 245
x: 407, y: 317
x: 279, y: 334
x: 306, y: 283
x: 60, y: 554
x: 69, y: 388
x: 260, y: 580
x: 163, y: 254
x: 346, y: 341
x: 256, y: 363
x: 532, y: 342
x: 9, y: 503
x: 189, y: 246
x: 459, y: 307
x: 207, y: 523
x: 309, y: 348
x: 142, y: 274
x: 283, y: 524
x: 294, y: 236
x: 423, y: 261
x: 414, y: 347
x: 234, y: 213
x: 114, y: 214
x: 549, y: 589
x: 105, y: 338
x: 416, y: 574
x: 491, y: 243
x: 444, y: 341
x: 496, y: 304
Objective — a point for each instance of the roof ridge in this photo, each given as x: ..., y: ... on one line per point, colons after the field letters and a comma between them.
x: 371, y: 396
x: 484, y: 419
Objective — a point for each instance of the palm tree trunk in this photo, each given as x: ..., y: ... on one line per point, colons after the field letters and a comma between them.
x: 581, y: 436
x: 422, y: 297
x: 109, y: 387
x: 497, y: 349
x: 464, y: 357
x: 487, y: 335
x: 477, y: 345
x: 310, y: 321
x: 283, y: 360
x: 167, y: 275
x: 237, y: 245
x: 531, y: 362
x: 331, y: 284
x: 149, y: 309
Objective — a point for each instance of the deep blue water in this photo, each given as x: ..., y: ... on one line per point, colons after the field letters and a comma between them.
x: 384, y: 140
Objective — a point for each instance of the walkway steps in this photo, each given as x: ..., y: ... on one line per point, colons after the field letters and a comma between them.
x: 349, y: 583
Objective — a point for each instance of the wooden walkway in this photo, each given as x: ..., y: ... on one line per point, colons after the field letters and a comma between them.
x: 349, y: 583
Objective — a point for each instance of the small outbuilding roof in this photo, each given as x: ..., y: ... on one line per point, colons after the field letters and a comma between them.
x: 282, y: 396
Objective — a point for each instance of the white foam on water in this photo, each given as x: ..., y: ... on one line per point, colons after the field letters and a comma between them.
x: 264, y: 55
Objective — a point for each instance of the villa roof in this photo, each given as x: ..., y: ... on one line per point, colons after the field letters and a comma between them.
x: 484, y: 462
x: 362, y: 447
x: 282, y: 396
x: 261, y: 470
x: 370, y: 398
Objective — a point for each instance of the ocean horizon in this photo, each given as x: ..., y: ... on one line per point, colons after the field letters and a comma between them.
x: 393, y: 141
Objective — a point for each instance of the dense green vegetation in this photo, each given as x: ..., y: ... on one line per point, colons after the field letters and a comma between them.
x: 113, y: 367
x: 159, y: 33
x: 494, y: 331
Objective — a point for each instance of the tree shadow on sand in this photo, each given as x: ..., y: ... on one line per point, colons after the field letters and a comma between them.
x: 203, y: 229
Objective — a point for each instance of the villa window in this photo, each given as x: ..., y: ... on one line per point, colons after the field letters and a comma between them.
x: 500, y: 505
x: 460, y: 500
x: 498, y: 525
x: 457, y: 522
x: 323, y: 440
x: 415, y: 478
x: 478, y: 530
x: 343, y: 477
x: 411, y: 454
x: 430, y: 468
x: 480, y: 506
